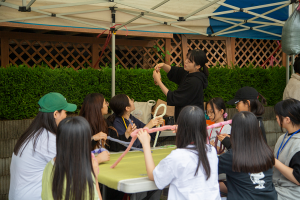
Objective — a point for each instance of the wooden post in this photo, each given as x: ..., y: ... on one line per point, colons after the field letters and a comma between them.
x: 185, y: 48
x: 230, y: 51
x: 168, y: 51
x: 95, y: 55
x: 283, y: 59
x: 4, y: 52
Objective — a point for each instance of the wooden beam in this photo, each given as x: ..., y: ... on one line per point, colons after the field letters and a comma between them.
x: 229, y: 52
x: 232, y: 41
x: 95, y: 55
x: 4, y: 52
x: 74, y: 39
x: 185, y: 47
x: 86, y: 30
x: 202, y: 37
x: 168, y: 50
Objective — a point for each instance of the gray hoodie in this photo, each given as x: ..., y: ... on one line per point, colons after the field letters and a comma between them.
x: 292, y: 90
x: 284, y: 187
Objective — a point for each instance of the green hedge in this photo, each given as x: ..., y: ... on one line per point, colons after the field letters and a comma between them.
x: 21, y: 87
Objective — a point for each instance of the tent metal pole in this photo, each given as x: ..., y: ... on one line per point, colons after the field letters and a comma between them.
x: 113, y: 65
x: 202, y: 8
x: 69, y: 4
x: 292, y: 64
x: 141, y: 15
x: 257, y: 16
x: 141, y: 26
x: 255, y: 22
x: 9, y: 5
x: 85, y: 11
x: 23, y: 2
x: 267, y: 5
x: 71, y: 19
x: 146, y: 9
x: 25, y: 18
x: 241, y: 24
x: 30, y: 4
x: 287, y: 74
x: 113, y: 55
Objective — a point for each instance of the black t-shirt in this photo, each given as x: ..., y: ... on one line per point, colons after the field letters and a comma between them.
x: 190, y: 89
x: 248, y: 186
x: 295, y: 164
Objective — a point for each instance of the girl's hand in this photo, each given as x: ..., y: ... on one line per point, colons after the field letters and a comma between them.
x: 100, y: 136
x: 158, y: 67
x: 156, y: 121
x: 144, y: 137
x: 103, y: 157
x: 212, y: 143
x: 129, y: 130
x: 176, y: 127
x: 95, y: 165
x: 156, y: 77
x: 222, y: 136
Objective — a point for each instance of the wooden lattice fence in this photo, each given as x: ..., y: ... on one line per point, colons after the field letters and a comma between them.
x: 256, y: 52
x: 81, y: 52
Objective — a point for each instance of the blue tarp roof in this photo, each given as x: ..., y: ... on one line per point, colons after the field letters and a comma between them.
x: 281, y: 14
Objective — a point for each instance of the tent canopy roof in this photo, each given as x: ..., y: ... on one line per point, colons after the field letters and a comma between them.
x: 231, y: 18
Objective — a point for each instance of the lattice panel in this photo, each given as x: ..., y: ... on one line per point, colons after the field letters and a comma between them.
x: 215, y: 50
x: 53, y: 54
x: 133, y: 56
x: 256, y: 52
x: 176, y: 51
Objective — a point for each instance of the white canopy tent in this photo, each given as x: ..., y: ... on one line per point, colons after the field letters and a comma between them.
x: 262, y: 19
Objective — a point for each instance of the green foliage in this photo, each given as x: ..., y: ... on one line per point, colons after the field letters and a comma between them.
x: 224, y: 82
x: 21, y: 87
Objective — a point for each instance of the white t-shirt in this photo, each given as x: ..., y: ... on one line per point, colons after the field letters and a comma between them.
x: 212, y: 133
x: 26, y: 172
x: 178, y: 170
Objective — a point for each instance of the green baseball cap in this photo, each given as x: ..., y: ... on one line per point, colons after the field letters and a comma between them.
x: 55, y: 101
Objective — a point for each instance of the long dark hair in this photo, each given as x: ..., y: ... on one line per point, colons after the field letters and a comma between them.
x: 192, y: 130
x: 288, y: 108
x: 118, y: 105
x: 199, y: 57
x: 250, y: 152
x: 91, y: 111
x: 256, y: 106
x: 41, y: 121
x: 73, y: 164
x: 218, y: 102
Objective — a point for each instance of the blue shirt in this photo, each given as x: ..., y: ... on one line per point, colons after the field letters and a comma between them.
x: 121, y: 128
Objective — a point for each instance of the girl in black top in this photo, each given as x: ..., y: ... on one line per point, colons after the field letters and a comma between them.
x: 249, y: 164
x: 246, y: 99
x: 191, y: 80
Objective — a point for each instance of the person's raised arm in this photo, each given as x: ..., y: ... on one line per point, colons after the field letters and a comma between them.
x: 157, y: 81
x: 144, y: 138
x: 163, y: 66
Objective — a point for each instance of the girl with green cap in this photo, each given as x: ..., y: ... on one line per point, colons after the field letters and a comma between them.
x: 36, y: 147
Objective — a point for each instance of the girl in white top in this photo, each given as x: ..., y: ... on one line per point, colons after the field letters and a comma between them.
x: 192, y: 169
x: 36, y: 147
x: 216, y: 111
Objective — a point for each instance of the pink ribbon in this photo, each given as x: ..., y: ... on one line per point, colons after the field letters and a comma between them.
x: 163, y: 128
